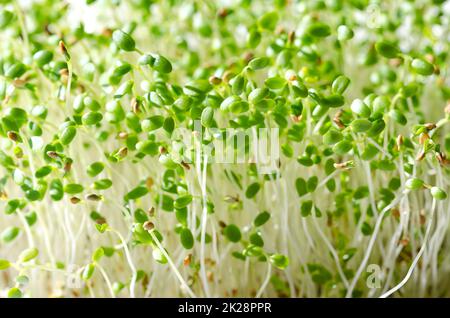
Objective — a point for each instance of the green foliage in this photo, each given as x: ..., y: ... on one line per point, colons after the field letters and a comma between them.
x: 111, y: 135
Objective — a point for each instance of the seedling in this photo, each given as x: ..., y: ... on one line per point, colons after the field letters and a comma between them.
x: 129, y: 151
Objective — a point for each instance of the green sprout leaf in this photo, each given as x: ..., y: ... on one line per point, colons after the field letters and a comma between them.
x: 123, y: 40
x: 232, y: 233
x: 186, y: 238
x: 280, y: 261
x: 261, y: 218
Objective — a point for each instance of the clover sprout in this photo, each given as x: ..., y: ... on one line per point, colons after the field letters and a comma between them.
x: 134, y: 160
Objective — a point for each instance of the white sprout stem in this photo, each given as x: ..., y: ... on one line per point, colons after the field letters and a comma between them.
x: 319, y: 124
x: 27, y: 229
x: 203, y: 232
x: 332, y: 251
x: 62, y: 225
x: 172, y: 265
x: 91, y: 291
x: 417, y: 258
x: 370, y: 246
x: 265, y: 282
x: 73, y: 245
x: 309, y: 239
x: 80, y: 229
x: 245, y: 281
x: 439, y: 237
x: 150, y: 285
x: 225, y: 251
x: 286, y: 230
x: 328, y: 178
x: 46, y: 235
x: 372, y: 197
x: 106, y: 278
x: 390, y: 274
x: 130, y: 262
x: 31, y: 157
x: 302, y: 252
x: 383, y: 151
x: 395, y: 248
x: 201, y: 175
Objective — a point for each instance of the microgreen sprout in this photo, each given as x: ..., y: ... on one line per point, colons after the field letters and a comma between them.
x: 133, y: 154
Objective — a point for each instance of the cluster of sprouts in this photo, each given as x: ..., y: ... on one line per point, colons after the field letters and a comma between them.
x: 102, y: 197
